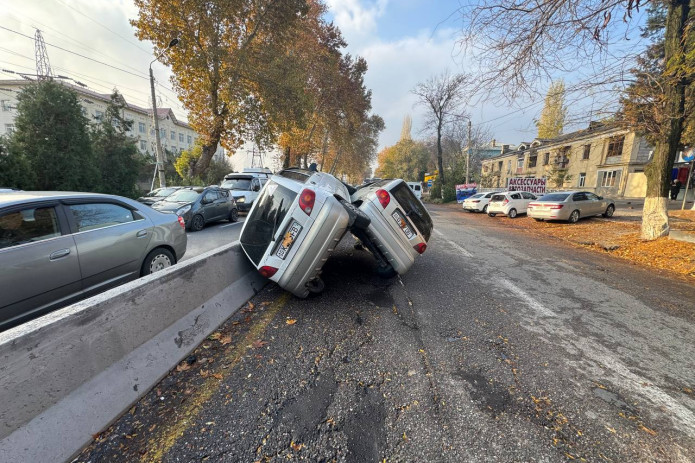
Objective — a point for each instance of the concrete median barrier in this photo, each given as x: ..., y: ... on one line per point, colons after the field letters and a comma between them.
x: 66, y: 376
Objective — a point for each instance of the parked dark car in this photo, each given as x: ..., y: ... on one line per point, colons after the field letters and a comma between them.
x: 158, y: 194
x: 199, y: 206
x: 59, y: 247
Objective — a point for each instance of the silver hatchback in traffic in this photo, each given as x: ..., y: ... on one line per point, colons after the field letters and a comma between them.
x: 59, y: 247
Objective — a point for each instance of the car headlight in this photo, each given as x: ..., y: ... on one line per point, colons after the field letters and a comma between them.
x: 240, y: 199
x: 183, y: 210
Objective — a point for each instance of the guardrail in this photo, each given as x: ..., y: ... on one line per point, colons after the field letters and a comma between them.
x: 66, y: 376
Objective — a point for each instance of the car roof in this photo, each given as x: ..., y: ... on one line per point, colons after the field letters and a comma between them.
x: 19, y: 197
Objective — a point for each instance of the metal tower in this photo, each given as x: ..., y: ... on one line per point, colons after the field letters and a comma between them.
x: 43, y: 66
x: 257, y: 157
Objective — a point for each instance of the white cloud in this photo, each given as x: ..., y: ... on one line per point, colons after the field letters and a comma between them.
x: 356, y: 19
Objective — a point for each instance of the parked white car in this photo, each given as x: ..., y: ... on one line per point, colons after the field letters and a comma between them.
x: 417, y: 189
x: 510, y: 203
x: 478, y: 202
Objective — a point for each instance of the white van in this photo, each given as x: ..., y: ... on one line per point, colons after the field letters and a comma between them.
x: 246, y: 185
x: 417, y: 189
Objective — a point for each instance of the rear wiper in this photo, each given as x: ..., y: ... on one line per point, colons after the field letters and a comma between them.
x: 275, y: 225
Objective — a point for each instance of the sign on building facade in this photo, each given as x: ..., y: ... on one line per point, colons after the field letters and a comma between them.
x: 532, y: 185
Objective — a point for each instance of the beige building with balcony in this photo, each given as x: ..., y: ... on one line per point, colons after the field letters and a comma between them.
x: 604, y: 158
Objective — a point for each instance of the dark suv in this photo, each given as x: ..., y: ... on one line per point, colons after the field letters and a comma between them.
x: 200, y: 205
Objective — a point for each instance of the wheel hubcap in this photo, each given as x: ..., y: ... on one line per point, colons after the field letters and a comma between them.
x: 160, y: 262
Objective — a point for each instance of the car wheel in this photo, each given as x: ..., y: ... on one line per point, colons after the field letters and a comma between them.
x: 485, y: 209
x: 386, y: 271
x: 574, y: 216
x: 157, y: 260
x: 361, y: 220
x: 609, y: 211
x: 512, y: 213
x: 492, y: 214
x: 316, y: 285
x: 233, y: 215
x: 197, y: 223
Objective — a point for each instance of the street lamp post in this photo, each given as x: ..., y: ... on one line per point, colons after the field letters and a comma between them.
x: 158, y: 141
x: 468, y: 155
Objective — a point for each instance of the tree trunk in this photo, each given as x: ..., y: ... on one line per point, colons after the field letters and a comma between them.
x: 658, y: 172
x: 286, y: 161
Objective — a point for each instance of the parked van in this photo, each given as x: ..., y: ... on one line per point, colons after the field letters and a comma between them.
x: 417, y: 189
x: 246, y: 185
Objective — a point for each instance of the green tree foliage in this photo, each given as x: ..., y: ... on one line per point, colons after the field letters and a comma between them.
x: 554, y: 112
x: 116, y: 153
x: 51, y: 133
x: 212, y: 176
x: 407, y: 159
x: 15, y: 170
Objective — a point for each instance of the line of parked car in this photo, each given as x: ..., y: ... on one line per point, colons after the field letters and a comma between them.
x: 569, y: 206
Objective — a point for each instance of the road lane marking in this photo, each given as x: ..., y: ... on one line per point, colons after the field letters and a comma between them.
x: 459, y: 248
x: 166, y: 435
x: 531, y: 302
x: 230, y: 224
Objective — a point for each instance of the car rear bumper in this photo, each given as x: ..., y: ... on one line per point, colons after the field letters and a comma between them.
x: 473, y: 207
x: 389, y: 239
x: 552, y: 214
x: 492, y: 209
x: 320, y: 241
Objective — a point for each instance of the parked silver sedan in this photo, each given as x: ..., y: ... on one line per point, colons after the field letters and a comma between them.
x: 59, y: 247
x: 570, y: 206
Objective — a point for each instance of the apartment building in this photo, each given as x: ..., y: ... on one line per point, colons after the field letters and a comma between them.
x: 175, y: 135
x: 604, y: 158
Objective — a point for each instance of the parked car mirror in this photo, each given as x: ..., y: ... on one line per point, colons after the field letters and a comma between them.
x: 256, y: 188
x: 600, y: 197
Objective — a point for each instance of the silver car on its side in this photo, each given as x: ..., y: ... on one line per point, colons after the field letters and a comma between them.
x: 59, y: 247
x: 570, y: 206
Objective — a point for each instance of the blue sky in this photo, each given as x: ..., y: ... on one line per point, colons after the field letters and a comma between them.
x: 403, y: 41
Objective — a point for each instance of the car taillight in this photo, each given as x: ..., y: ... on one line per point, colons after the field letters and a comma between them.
x: 505, y: 201
x: 306, y: 201
x: 420, y: 247
x: 475, y: 201
x: 182, y: 222
x: 532, y: 205
x: 384, y: 197
x: 556, y: 206
x: 267, y: 271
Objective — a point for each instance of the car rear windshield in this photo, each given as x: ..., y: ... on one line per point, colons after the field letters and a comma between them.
x: 497, y: 198
x: 413, y: 209
x: 165, y: 192
x: 267, y: 215
x: 243, y: 184
x: 296, y: 175
x: 554, y: 197
x: 478, y: 195
x: 184, y: 196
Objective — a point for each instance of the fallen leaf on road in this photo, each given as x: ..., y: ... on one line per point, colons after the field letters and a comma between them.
x: 248, y: 308
x: 296, y: 447
x: 610, y: 429
x: 204, y: 373
x: 291, y: 322
x: 647, y: 430
x: 183, y: 366
x: 217, y: 375
x: 224, y: 340
x: 258, y: 343
x: 215, y: 335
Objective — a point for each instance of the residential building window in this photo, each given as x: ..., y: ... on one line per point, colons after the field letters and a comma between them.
x: 587, y: 152
x: 5, y: 105
x: 546, y: 159
x: 532, y: 161
x: 499, y: 166
x: 162, y: 133
x: 615, y: 146
x: 582, y: 179
x: 608, y: 178
x: 9, y: 128
x: 98, y: 115
x: 519, y: 165
x: 180, y: 138
x: 143, y: 145
x: 173, y: 135
x: 141, y: 127
x: 509, y: 166
x: 189, y: 139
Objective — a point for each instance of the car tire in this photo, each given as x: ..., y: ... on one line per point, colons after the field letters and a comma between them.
x: 386, y: 271
x: 574, y: 216
x: 233, y: 215
x: 609, y: 211
x: 316, y: 285
x: 538, y: 220
x: 197, y: 222
x: 492, y: 214
x: 158, y: 259
x: 512, y: 213
x: 361, y: 220
x: 485, y: 209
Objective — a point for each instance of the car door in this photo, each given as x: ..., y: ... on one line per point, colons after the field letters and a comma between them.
x: 516, y: 202
x: 112, y: 240
x: 527, y: 198
x: 39, y: 266
x: 598, y: 206
x: 209, y: 207
x: 581, y: 204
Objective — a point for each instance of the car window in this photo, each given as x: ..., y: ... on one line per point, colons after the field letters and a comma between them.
x: 489, y: 195
x: 592, y: 196
x: 184, y: 196
x: 497, y: 198
x: 555, y: 197
x: 515, y: 195
x: 99, y: 215
x: 527, y: 195
x: 240, y: 184
x: 28, y: 225
x: 477, y: 195
x: 299, y: 176
x: 579, y: 197
x: 210, y: 196
x: 224, y: 194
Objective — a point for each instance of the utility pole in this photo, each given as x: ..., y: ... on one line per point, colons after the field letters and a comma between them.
x: 158, y: 141
x: 468, y: 154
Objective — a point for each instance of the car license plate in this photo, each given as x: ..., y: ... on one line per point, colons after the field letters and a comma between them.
x: 288, y: 239
x: 403, y: 224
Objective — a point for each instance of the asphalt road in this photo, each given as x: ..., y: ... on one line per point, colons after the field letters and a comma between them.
x: 212, y: 236
x: 496, y: 346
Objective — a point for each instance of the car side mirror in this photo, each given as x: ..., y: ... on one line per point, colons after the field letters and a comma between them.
x: 256, y: 188
x: 206, y: 201
x: 600, y: 197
